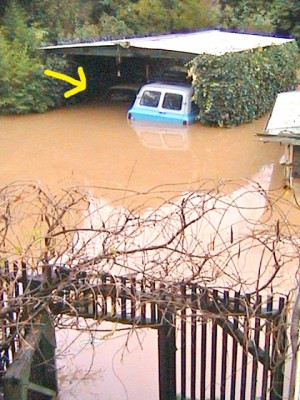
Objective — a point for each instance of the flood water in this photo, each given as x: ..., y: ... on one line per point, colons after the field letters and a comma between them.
x: 94, y: 146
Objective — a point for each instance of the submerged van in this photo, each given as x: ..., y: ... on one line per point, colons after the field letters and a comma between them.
x: 164, y: 102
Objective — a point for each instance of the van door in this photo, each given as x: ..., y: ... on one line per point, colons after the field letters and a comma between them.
x: 172, y: 106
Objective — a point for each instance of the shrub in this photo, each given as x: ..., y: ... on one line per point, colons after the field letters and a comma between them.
x: 237, y: 88
x: 23, y: 86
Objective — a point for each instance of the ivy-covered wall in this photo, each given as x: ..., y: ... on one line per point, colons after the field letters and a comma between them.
x: 237, y: 88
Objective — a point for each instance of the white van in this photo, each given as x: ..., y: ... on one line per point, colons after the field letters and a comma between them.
x: 164, y: 102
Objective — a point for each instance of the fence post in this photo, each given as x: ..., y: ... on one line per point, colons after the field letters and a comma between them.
x: 279, y: 353
x: 167, y: 358
x: 294, y: 389
x: 33, y: 370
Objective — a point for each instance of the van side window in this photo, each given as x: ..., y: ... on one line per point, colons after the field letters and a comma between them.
x: 150, y: 98
x: 172, y: 101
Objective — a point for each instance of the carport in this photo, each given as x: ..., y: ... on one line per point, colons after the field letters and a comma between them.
x: 143, y: 58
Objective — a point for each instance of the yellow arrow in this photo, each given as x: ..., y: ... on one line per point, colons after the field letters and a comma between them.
x: 80, y: 84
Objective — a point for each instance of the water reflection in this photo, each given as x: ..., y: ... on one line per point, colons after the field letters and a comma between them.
x: 110, y: 370
x: 161, y: 135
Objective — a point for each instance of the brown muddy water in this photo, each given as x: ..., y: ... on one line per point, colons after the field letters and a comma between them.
x: 94, y: 146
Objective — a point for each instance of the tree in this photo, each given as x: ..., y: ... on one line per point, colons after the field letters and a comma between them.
x: 273, y: 16
x: 286, y: 17
x: 251, y: 16
x: 193, y: 14
x: 146, y: 16
x: 160, y: 16
x: 110, y: 25
x: 109, y: 7
x: 23, y: 86
x: 242, y: 7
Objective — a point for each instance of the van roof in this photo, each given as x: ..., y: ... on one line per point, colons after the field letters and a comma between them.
x: 182, y: 87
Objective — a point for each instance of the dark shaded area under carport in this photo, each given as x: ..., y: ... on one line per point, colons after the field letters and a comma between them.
x: 103, y: 72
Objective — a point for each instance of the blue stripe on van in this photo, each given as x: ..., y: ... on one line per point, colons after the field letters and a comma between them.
x: 166, y: 116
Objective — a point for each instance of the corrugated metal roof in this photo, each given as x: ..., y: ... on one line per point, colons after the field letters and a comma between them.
x: 213, y: 42
x: 285, y: 117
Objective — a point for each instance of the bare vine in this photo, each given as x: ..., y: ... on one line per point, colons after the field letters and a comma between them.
x: 72, y: 254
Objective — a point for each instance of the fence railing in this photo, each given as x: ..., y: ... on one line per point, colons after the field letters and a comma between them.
x: 212, y: 344
x: 232, y: 354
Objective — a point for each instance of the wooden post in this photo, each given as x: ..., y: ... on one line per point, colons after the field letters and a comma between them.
x: 48, y: 358
x: 183, y: 342
x: 167, y: 358
x: 280, y: 355
x: 47, y: 274
x: 34, y: 367
x: 288, y: 166
x: 193, y: 340
x: 294, y: 377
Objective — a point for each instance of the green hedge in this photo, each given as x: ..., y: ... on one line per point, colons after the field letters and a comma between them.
x: 237, y: 88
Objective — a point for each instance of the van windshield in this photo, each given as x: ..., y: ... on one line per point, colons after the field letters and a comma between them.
x: 172, y: 101
x: 150, y: 98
